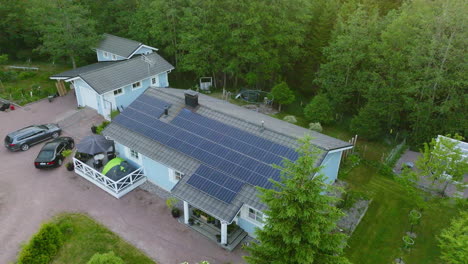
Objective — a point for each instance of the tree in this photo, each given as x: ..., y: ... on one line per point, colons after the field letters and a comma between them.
x: 282, y: 94
x: 300, y: 224
x: 106, y: 258
x: 319, y: 110
x: 453, y: 241
x: 65, y: 27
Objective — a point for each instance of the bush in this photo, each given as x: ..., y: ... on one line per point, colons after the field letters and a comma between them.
x: 26, y: 75
x: 106, y: 258
x: 315, y: 127
x: 290, y: 118
x: 367, y: 124
x: 319, y: 110
x: 7, y: 76
x: 350, y: 198
x: 43, y: 246
x: 171, y: 202
x: 282, y: 94
x: 101, y: 127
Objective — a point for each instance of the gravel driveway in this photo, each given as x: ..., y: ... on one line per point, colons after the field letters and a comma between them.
x: 29, y: 196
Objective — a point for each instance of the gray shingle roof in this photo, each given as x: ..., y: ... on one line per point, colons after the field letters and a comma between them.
x: 275, y: 130
x: 117, y: 45
x: 84, y: 69
x: 125, y: 72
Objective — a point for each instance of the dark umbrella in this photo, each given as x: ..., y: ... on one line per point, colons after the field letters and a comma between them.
x: 94, y: 144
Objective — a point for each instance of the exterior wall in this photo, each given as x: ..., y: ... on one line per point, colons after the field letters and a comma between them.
x: 155, y: 172
x: 80, y: 87
x: 331, y: 165
x: 143, y: 50
x: 100, y: 56
x: 244, y: 221
x: 129, y: 94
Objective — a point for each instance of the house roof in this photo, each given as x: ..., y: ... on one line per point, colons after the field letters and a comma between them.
x: 119, y: 46
x: 237, y: 117
x: 82, y: 70
x: 107, y: 76
x: 125, y: 72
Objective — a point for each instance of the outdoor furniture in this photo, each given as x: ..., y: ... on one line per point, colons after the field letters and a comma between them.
x: 94, y: 144
x: 98, y: 161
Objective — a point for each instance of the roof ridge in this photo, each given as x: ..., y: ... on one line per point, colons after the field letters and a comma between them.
x: 119, y: 62
x: 107, y: 34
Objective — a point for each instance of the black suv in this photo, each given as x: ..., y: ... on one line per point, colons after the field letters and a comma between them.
x: 24, y: 138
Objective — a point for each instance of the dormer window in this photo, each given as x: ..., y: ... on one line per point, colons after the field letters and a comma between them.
x: 136, y: 85
x: 106, y: 54
x: 153, y: 80
x: 114, y: 57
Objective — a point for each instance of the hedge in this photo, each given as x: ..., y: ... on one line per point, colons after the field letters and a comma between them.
x: 43, y: 246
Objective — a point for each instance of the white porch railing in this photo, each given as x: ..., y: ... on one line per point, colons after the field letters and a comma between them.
x: 115, y: 188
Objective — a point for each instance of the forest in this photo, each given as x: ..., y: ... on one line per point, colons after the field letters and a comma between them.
x: 379, y: 67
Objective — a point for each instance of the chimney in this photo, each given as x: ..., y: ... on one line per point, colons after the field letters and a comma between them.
x: 166, y: 110
x: 191, y: 98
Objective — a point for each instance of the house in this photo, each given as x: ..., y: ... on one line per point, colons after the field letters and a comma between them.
x: 211, y: 155
x: 125, y: 69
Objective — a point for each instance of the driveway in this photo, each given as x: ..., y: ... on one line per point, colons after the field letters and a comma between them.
x: 29, y: 196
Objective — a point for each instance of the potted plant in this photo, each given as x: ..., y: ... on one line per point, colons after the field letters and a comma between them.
x: 175, y: 212
x: 70, y: 166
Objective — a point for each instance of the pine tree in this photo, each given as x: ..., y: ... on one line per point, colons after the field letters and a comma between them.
x: 300, y: 226
x: 453, y: 241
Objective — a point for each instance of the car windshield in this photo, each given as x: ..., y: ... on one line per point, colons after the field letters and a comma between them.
x: 46, y: 155
x: 42, y: 127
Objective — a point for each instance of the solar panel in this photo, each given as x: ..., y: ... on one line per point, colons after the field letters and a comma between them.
x: 232, y: 157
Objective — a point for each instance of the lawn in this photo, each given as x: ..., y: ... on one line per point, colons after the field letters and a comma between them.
x: 19, y: 89
x: 378, y: 238
x: 85, y: 237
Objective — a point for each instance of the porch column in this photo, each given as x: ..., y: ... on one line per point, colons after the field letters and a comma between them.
x: 186, y: 213
x: 224, y: 232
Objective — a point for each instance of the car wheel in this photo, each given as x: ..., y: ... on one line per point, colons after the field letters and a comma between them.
x: 24, y: 147
x: 60, y: 162
x: 55, y: 134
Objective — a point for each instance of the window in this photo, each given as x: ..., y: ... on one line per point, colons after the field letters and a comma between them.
x: 114, y: 57
x: 153, y: 81
x: 118, y: 91
x: 136, y: 85
x: 175, y: 176
x: 255, y: 215
x: 134, y: 155
x: 106, y: 55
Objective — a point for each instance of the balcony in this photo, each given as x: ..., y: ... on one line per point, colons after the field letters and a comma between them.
x: 116, y: 187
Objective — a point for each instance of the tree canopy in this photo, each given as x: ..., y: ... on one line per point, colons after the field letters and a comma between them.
x: 300, y: 224
x: 453, y: 241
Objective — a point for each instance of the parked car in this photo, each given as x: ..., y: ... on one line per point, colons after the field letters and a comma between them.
x: 51, y: 154
x: 26, y: 137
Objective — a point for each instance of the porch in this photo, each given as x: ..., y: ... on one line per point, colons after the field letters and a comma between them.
x: 228, y: 236
x: 116, y: 187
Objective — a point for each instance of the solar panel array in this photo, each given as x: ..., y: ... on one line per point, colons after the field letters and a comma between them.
x: 230, y: 157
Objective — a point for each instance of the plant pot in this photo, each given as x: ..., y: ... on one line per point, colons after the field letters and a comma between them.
x: 175, y: 212
x: 94, y: 129
x: 70, y: 166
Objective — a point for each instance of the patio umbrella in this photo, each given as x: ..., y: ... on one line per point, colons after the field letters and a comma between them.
x: 94, y: 144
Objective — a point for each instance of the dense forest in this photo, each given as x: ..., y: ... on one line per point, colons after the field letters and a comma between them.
x: 384, y: 66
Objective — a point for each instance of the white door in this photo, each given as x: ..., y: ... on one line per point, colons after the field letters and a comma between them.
x: 89, y: 97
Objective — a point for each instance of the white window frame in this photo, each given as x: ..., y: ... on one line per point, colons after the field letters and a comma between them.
x: 137, y: 87
x: 155, y: 80
x: 105, y: 54
x: 114, y: 57
x: 119, y: 94
x: 175, y: 176
x: 255, y: 215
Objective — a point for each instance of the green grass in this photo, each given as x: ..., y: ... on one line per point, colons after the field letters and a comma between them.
x: 378, y: 238
x: 85, y: 237
x: 19, y: 91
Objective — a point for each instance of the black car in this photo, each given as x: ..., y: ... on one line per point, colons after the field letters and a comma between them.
x: 24, y: 138
x: 51, y: 155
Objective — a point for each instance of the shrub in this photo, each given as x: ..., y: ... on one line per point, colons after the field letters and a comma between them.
x: 319, y: 110
x: 101, y: 127
x: 290, y: 118
x: 67, y: 153
x: 171, y: 202
x: 7, y: 76
x: 43, y: 246
x: 26, y: 75
x: 315, y: 127
x: 106, y: 258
